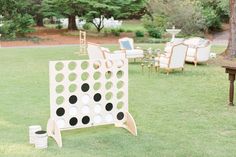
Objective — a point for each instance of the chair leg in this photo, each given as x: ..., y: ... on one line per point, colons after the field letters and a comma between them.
x: 167, y: 71
x: 156, y: 68
x: 182, y: 69
x: 195, y: 64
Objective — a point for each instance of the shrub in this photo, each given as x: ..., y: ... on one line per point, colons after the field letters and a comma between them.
x: 115, y: 32
x: 58, y: 26
x: 139, y: 34
x: 212, y: 20
x: 155, y: 26
x: 86, y: 26
x: 157, y: 20
x: 155, y: 32
x: 121, y: 30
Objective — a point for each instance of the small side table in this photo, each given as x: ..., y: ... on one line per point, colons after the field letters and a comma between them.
x: 231, y: 70
x: 149, y: 59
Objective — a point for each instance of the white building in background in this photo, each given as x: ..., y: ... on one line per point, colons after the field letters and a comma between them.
x: 108, y: 23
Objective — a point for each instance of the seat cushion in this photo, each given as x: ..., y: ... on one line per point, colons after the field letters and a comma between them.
x: 135, y: 53
x: 162, y: 61
x: 189, y: 59
x: 126, y: 45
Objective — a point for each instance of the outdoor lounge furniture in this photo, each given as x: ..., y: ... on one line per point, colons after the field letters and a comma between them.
x: 174, y: 59
x: 127, y: 44
x: 97, y: 52
x: 175, y: 41
x: 198, y: 51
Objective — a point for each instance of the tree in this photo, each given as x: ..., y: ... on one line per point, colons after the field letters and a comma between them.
x: 231, y: 50
x: 65, y: 8
x: 36, y: 11
x: 16, y: 18
x: 119, y: 9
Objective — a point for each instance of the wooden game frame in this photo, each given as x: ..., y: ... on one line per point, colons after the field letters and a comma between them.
x: 109, y: 113
x: 83, y: 42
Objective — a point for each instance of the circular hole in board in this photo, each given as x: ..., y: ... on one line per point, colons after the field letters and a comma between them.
x: 109, y: 106
x: 72, y: 77
x: 120, y: 105
x: 119, y: 95
x: 59, y: 89
x: 72, y: 88
x: 59, y: 66
x: 85, y: 120
x: 97, y: 108
x: 120, y: 84
x: 84, y: 65
x: 108, y: 85
x: 109, y: 118
x: 120, y: 116
x: 97, y: 86
x: 85, y: 99
x: 60, y: 100
x: 108, y: 96
x: 96, y: 75
x: 60, y: 111
x: 85, y: 87
x: 97, y: 97
x: 73, y: 99
x: 96, y: 64
x: 108, y: 74
x: 109, y: 64
x: 61, y: 123
x: 85, y: 76
x: 73, y: 121
x: 97, y: 119
x: 59, y: 77
x: 119, y: 74
x: 72, y: 65
x: 73, y: 111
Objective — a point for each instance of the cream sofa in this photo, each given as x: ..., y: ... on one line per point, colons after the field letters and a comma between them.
x: 198, y: 50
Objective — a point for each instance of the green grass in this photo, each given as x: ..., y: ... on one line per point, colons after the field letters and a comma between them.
x: 133, y: 25
x: 183, y: 114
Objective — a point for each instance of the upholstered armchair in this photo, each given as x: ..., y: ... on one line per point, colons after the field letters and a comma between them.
x: 127, y: 44
x: 174, y: 59
x: 198, y: 51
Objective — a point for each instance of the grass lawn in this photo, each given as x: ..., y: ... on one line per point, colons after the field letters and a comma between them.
x: 183, y: 114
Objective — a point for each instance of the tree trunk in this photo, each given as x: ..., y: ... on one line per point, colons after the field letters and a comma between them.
x: 39, y: 21
x: 231, y: 49
x: 99, y: 26
x: 72, y: 23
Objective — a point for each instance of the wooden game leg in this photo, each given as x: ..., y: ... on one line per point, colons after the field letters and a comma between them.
x: 129, y: 125
x: 54, y: 132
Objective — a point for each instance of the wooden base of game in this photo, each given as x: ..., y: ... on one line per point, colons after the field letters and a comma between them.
x: 54, y: 131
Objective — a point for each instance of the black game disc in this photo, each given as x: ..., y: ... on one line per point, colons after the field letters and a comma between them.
x: 120, y: 116
x: 73, y: 121
x: 97, y: 97
x: 60, y: 111
x: 85, y: 87
x: 109, y: 106
x: 40, y: 132
x: 73, y: 99
x: 85, y: 120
